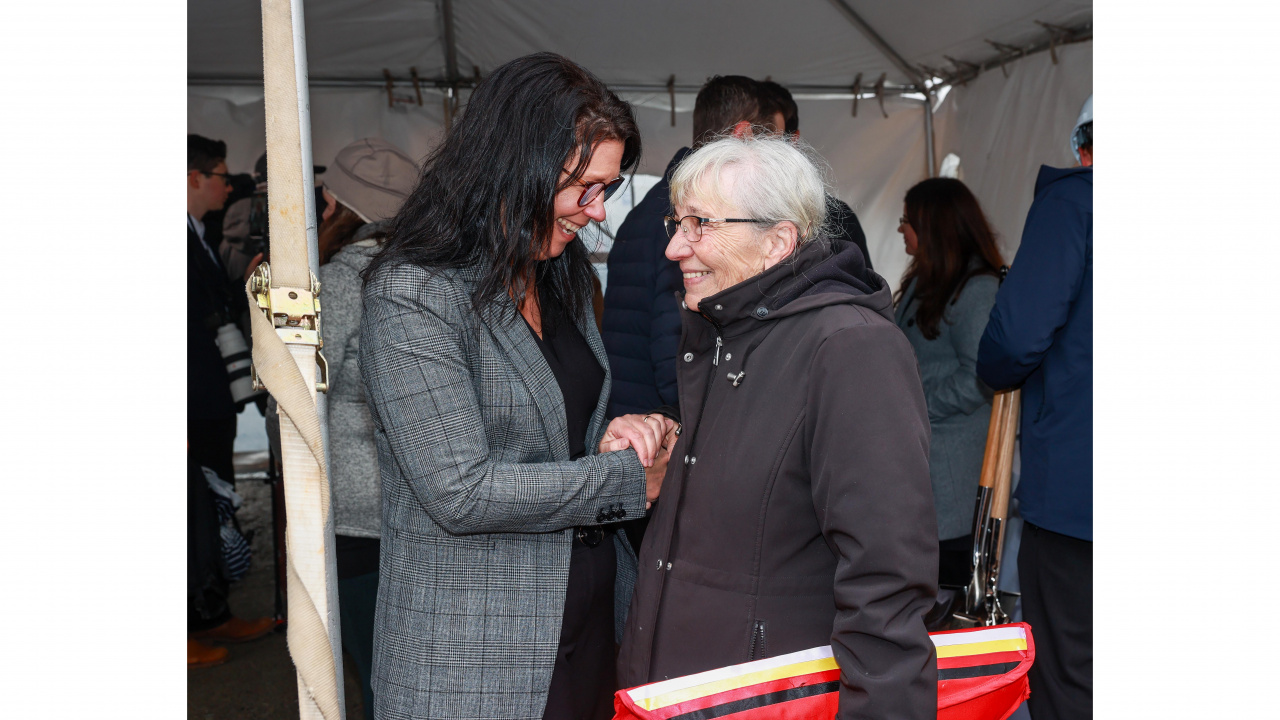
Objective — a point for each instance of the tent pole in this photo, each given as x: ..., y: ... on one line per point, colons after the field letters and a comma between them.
x: 898, y: 61
x: 285, y: 315
x: 929, y: 158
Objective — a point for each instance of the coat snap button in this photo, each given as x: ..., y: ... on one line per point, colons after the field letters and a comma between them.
x: 688, y: 357
x: 762, y: 311
x: 719, y: 307
x: 668, y: 566
x: 728, y: 356
x: 686, y: 459
x: 693, y: 461
x: 659, y: 563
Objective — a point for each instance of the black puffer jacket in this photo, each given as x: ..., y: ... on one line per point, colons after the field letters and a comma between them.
x: 797, y: 510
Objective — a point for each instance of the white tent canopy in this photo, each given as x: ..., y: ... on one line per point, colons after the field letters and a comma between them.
x: 1001, y: 128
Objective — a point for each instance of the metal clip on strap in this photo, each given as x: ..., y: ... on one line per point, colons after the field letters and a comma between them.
x: 295, y: 313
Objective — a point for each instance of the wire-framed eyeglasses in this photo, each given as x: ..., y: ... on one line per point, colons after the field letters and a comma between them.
x: 591, y: 190
x: 226, y: 177
x: 692, y: 224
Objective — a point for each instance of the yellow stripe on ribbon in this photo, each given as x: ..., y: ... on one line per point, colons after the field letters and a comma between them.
x: 741, y: 681
x: 982, y: 648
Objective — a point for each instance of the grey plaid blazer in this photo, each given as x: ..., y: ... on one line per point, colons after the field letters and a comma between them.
x: 479, y: 499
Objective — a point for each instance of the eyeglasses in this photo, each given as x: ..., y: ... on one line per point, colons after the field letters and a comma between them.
x: 591, y: 190
x: 226, y: 177
x: 692, y: 225
x: 903, y: 220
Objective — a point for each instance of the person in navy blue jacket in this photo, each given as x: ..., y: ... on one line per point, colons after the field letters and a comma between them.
x: 641, y: 324
x: 1040, y: 338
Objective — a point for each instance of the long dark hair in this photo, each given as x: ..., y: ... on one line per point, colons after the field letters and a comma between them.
x: 338, y: 232
x: 950, y: 232
x: 487, y: 193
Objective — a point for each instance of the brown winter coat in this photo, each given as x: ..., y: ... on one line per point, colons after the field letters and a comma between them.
x: 797, y: 510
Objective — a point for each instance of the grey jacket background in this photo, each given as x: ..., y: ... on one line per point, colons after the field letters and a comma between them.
x: 353, y: 456
x: 959, y: 403
x: 479, y: 498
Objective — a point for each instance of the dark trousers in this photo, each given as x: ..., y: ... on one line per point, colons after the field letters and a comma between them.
x: 357, y: 561
x: 211, y: 443
x: 585, y: 674
x: 1056, y: 574
x: 206, y: 580
x: 955, y: 561
x: 357, y: 598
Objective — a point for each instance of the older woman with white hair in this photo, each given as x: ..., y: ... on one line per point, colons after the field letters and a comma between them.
x: 797, y: 510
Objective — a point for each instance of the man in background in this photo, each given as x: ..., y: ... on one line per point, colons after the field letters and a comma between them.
x: 641, y: 309
x: 211, y: 412
x: 641, y: 323
x: 1040, y: 338
x: 212, y: 302
x: 840, y: 216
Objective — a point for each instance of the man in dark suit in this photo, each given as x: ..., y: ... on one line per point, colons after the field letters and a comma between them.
x: 211, y: 412
x: 212, y: 301
x: 641, y: 326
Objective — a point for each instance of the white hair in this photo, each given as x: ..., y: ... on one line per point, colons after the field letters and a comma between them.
x: 779, y: 180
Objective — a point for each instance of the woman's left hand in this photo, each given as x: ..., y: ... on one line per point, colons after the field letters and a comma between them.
x: 644, y: 433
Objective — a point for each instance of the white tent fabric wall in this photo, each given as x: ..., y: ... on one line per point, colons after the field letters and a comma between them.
x: 339, y: 116
x: 1004, y: 129
x: 873, y: 160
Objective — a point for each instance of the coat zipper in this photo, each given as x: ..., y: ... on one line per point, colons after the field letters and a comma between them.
x: 719, y: 342
x: 757, y: 641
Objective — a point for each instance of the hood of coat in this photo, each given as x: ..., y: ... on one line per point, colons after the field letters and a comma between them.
x: 1050, y: 175
x: 359, y: 253
x: 819, y: 275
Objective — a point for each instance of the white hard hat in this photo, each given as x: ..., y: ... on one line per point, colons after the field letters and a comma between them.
x: 1086, y: 116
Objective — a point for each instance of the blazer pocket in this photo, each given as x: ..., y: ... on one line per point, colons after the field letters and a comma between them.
x: 446, y: 542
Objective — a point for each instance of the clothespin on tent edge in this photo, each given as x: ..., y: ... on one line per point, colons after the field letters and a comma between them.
x: 962, y: 66
x: 879, y: 88
x: 391, y: 98
x: 417, y: 86
x: 857, y: 90
x: 1007, y: 52
x: 1056, y: 33
x: 671, y: 92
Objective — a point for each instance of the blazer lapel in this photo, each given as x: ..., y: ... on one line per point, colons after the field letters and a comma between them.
x: 514, y: 338
x: 595, y: 430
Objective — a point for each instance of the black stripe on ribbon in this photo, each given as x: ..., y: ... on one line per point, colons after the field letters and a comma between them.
x: 976, y: 671
x: 237, y: 357
x: 760, y: 701
x: 237, y: 374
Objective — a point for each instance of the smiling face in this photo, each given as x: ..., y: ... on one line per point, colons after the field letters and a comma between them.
x: 727, y: 253
x: 605, y: 165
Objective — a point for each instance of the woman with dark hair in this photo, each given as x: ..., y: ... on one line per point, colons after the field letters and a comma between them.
x: 943, y: 303
x: 488, y: 383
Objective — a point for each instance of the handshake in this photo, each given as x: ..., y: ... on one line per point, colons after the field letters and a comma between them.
x: 652, y: 437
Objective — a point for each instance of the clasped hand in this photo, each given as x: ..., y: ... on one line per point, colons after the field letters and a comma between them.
x: 652, y: 437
